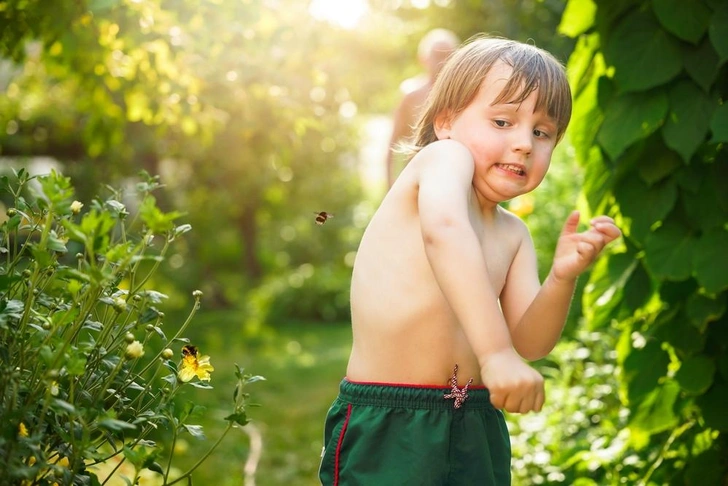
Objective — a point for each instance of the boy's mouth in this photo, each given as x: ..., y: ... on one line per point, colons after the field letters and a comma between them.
x: 516, y: 169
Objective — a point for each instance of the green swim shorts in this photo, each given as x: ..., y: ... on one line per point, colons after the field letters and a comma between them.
x: 406, y: 435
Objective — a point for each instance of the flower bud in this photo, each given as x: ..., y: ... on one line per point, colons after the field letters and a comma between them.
x: 129, y: 338
x: 119, y: 304
x: 52, y: 374
x: 76, y: 207
x: 79, y: 256
x: 149, y: 327
x: 167, y: 353
x: 134, y: 350
x: 197, y: 294
x: 11, y: 212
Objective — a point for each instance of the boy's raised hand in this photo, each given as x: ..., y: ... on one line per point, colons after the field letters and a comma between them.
x: 576, y: 251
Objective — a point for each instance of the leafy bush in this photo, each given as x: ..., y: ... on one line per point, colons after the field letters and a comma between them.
x: 88, y: 375
x: 650, y: 128
x: 306, y: 293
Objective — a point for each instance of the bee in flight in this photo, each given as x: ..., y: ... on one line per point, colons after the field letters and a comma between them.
x: 322, y: 216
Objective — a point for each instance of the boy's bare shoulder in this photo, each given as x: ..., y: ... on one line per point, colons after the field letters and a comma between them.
x: 444, y: 154
x: 513, y: 223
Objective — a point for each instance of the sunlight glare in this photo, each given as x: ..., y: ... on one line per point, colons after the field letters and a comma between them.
x: 345, y: 14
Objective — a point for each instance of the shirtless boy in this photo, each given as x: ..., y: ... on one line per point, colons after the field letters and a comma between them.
x: 445, y: 296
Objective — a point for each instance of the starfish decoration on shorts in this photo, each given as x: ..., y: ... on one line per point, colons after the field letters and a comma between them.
x: 459, y: 394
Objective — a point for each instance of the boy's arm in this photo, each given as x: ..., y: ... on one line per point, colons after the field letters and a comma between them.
x: 537, y: 315
x: 445, y: 171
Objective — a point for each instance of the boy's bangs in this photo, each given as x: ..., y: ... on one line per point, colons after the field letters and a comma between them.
x: 554, y: 94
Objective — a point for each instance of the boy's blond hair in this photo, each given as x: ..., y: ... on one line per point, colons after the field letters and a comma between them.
x: 463, y: 74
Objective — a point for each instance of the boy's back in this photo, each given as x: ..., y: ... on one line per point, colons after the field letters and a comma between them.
x: 404, y: 329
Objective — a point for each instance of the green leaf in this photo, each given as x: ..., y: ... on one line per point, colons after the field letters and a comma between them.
x: 156, y: 220
x: 703, y: 208
x: 195, y: 431
x: 577, y: 18
x: 712, y: 404
x: 638, y: 288
x: 682, y: 335
x: 630, y: 118
x: 686, y: 127
x: 604, y: 292
x: 239, y: 418
x: 62, y: 406
x: 585, y: 65
x: 200, y: 384
x: 706, y: 468
x: 76, y: 365
x: 719, y: 124
x: 643, y: 54
x: 254, y: 379
x: 701, y: 63
x: 643, y: 205
x: 696, y: 374
x: 116, y: 425
x: 659, y: 166
x: 643, y: 368
x: 55, y: 243
x: 702, y: 309
x: 656, y: 413
x: 711, y: 264
x: 687, y: 20
x: 718, y: 31
x: 7, y: 281
x: 669, y: 251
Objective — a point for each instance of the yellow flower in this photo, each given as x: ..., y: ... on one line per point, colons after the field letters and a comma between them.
x: 192, y: 365
x: 22, y: 430
x: 76, y: 207
x: 134, y: 350
x: 522, y: 206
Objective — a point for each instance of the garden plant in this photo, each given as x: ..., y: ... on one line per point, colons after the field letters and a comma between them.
x: 90, y: 381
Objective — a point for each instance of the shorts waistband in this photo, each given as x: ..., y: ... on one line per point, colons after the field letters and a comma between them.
x: 393, y: 395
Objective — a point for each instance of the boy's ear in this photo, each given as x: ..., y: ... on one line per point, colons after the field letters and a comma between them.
x: 442, y: 124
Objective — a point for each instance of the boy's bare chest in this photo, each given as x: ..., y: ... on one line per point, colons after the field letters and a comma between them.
x: 499, y: 251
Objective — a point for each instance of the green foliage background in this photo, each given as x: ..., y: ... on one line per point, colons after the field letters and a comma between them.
x: 650, y: 130
x: 251, y: 112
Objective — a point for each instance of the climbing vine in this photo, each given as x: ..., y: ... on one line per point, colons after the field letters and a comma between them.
x: 650, y: 128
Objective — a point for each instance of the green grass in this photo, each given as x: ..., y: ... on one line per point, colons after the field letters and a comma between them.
x: 302, y: 363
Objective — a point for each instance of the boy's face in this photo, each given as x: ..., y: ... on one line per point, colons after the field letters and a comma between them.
x: 511, y: 144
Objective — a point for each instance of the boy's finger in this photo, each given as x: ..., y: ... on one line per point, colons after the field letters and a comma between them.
x: 540, y: 398
x: 608, y: 229
x: 571, y: 224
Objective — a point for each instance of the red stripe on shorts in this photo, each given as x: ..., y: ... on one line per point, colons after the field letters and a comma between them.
x: 338, y: 445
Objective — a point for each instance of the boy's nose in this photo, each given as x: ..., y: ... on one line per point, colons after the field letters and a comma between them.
x: 522, y: 141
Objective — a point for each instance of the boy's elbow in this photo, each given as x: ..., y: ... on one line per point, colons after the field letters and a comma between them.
x: 532, y: 353
x: 439, y: 230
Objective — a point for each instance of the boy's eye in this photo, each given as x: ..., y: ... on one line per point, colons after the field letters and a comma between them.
x: 501, y: 123
x: 540, y: 133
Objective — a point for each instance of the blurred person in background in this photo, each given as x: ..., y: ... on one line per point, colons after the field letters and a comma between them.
x: 432, y: 51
